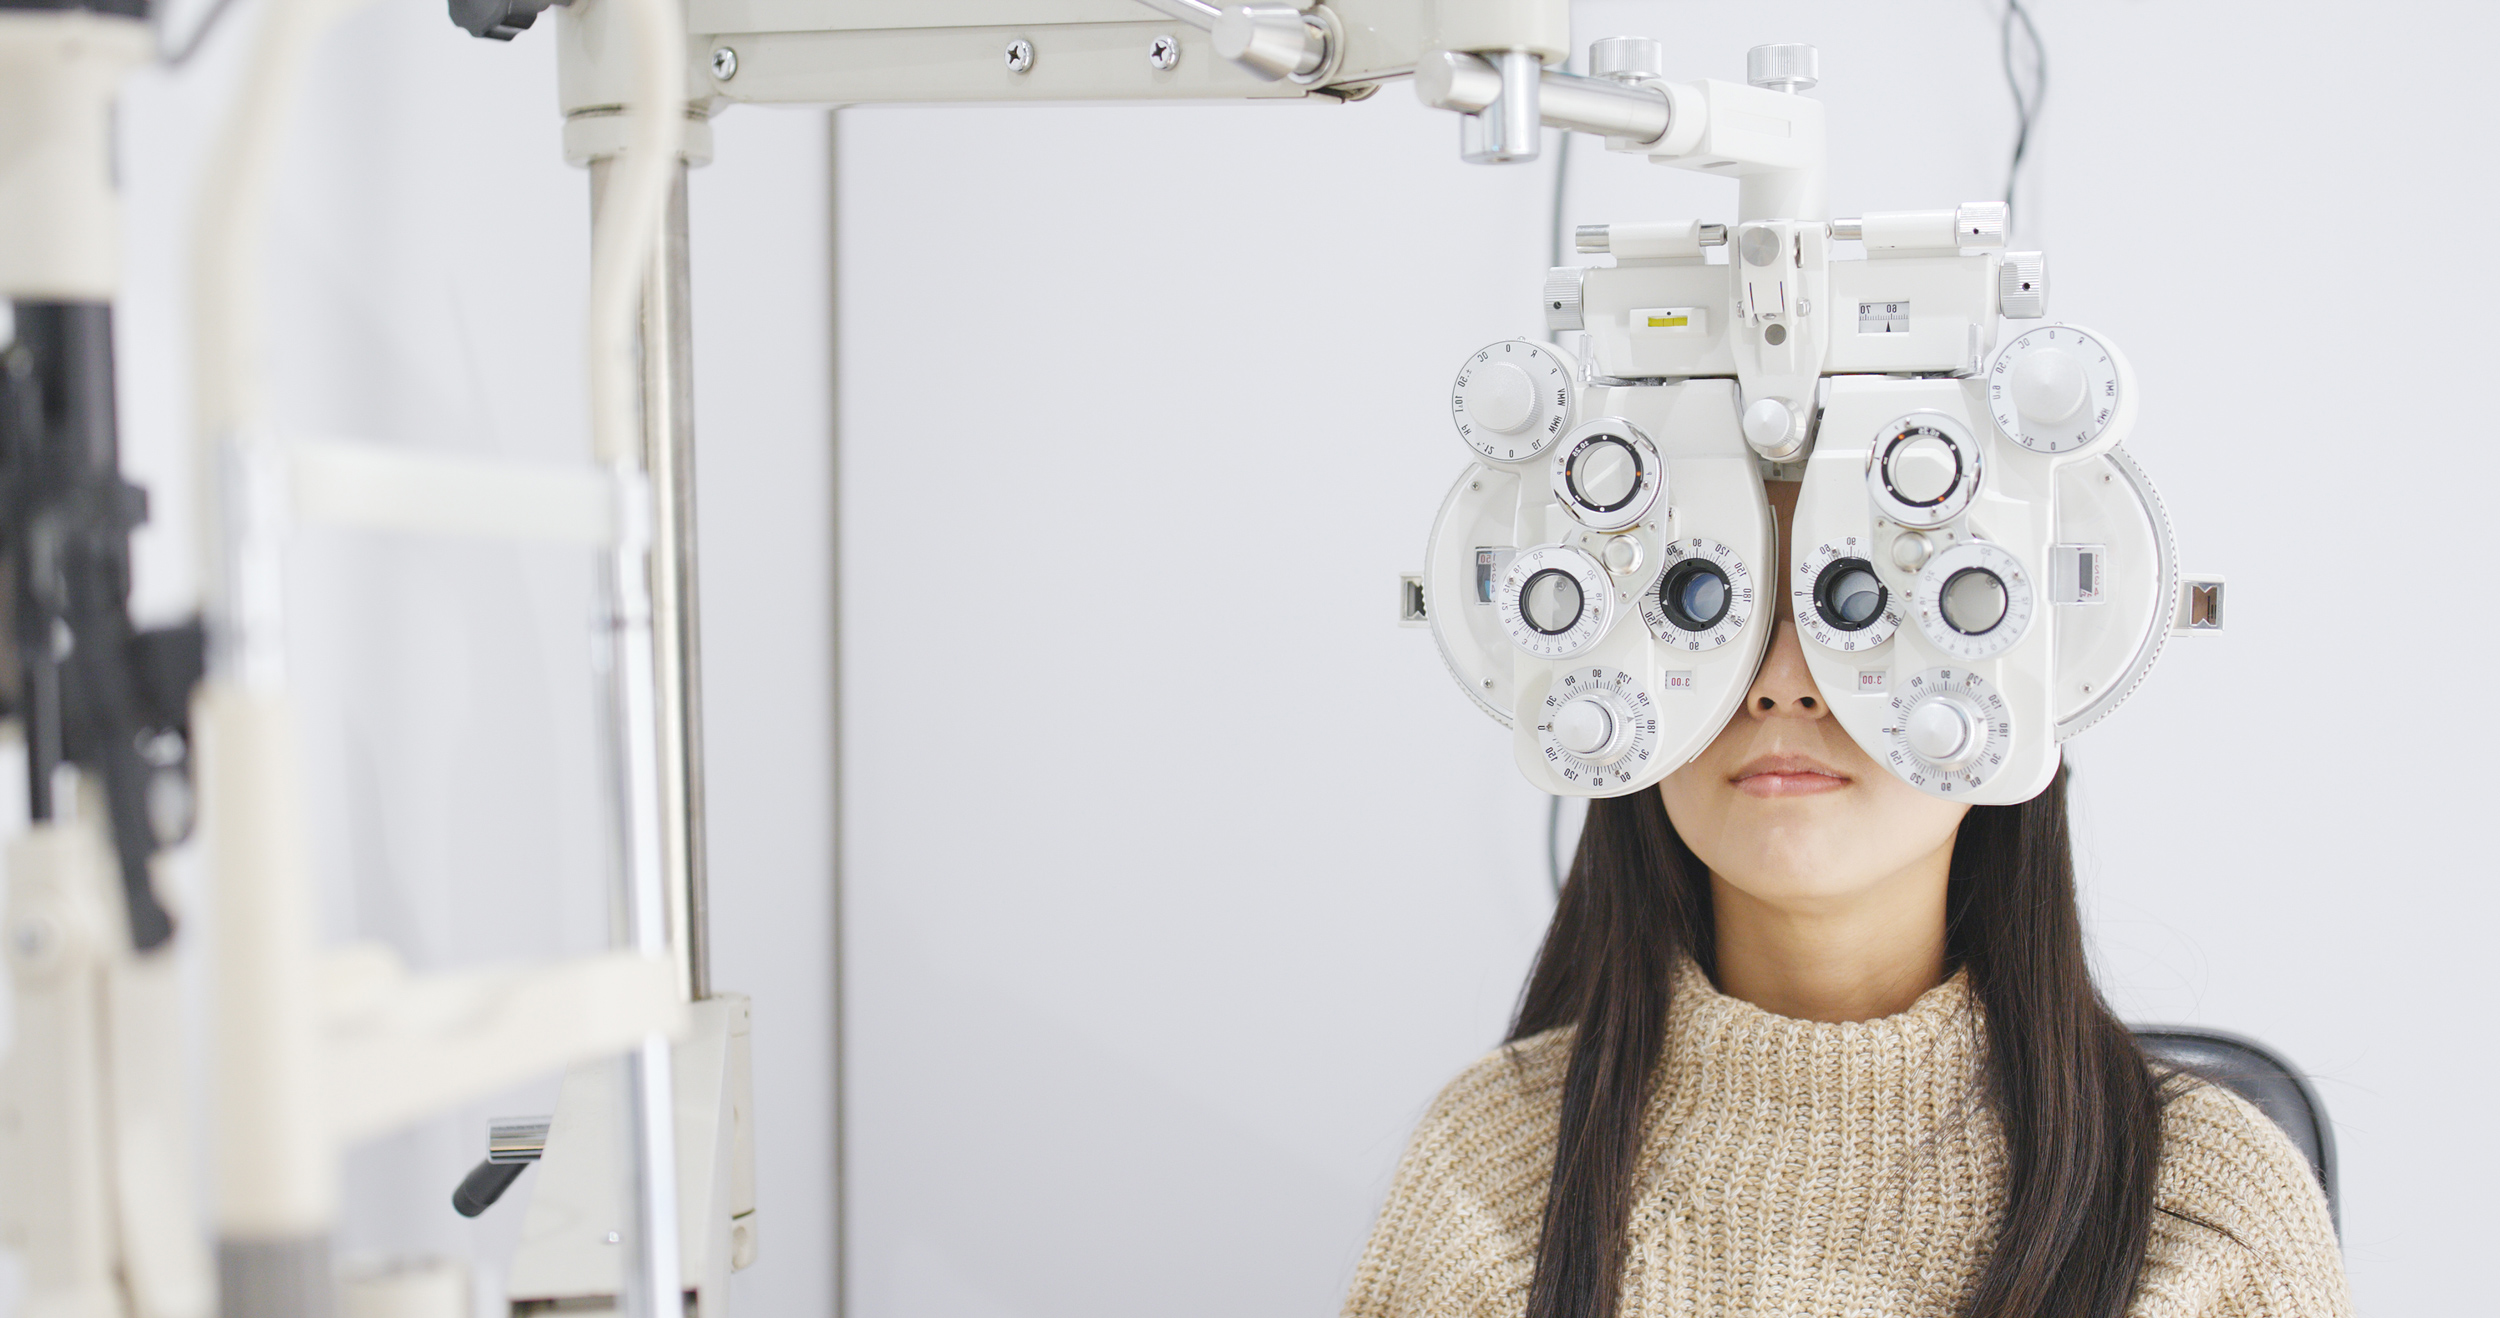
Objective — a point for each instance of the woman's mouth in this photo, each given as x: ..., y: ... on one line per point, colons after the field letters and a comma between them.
x: 1787, y: 775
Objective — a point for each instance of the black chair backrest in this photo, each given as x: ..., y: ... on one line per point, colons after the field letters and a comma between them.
x: 2260, y: 1075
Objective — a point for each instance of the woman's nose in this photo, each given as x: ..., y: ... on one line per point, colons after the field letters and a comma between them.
x: 1785, y: 686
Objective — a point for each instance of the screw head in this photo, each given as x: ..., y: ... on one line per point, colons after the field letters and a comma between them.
x: 1163, y: 53
x: 724, y: 63
x: 1019, y: 56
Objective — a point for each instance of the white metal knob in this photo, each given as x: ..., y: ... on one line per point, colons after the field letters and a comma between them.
x: 1769, y: 424
x: 1980, y: 223
x: 1501, y: 397
x: 1563, y: 288
x: 1583, y: 726
x: 2049, y: 386
x: 1627, y: 59
x: 1944, y: 730
x: 1792, y: 67
x: 2023, y: 286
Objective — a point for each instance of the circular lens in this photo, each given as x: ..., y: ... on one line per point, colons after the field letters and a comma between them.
x: 1973, y: 601
x: 1604, y: 475
x: 1923, y: 468
x: 1848, y: 594
x: 1695, y: 595
x: 1550, y: 601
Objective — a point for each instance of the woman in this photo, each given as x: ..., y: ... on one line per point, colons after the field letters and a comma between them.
x: 1802, y: 1040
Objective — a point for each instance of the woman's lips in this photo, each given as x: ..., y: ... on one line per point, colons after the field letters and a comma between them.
x: 1787, y: 775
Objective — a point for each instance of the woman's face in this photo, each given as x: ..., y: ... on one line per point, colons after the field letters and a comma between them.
x: 1783, y: 805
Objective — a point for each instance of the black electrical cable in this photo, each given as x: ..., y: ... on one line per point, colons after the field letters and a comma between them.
x: 2026, y: 99
x: 175, y: 57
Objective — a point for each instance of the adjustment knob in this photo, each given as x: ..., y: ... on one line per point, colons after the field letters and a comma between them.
x: 1771, y: 427
x: 496, y: 20
x: 1627, y: 59
x: 2049, y: 386
x: 1791, y: 67
x: 1501, y: 398
x: 2060, y: 390
x: 1513, y: 399
x: 1584, y: 726
x: 2023, y: 286
x: 1946, y: 731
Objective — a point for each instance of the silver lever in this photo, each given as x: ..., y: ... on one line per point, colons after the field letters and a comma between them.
x: 1273, y: 41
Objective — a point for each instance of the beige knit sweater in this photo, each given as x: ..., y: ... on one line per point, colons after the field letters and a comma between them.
x: 1807, y: 1170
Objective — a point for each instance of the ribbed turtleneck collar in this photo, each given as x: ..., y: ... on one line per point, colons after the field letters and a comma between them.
x: 1929, y: 1056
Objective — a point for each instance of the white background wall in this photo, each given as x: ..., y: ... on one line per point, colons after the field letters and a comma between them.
x: 1176, y: 877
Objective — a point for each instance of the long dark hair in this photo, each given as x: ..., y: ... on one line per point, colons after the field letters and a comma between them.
x: 2080, y: 1108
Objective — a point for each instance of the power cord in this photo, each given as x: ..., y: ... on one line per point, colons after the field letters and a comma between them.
x: 175, y: 56
x: 2026, y: 99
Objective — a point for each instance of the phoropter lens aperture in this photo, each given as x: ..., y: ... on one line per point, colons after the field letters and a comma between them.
x: 1550, y: 601
x: 1849, y: 595
x: 1694, y: 594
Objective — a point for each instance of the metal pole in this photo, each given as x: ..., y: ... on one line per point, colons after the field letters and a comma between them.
x: 676, y: 618
x: 833, y: 532
x: 640, y: 720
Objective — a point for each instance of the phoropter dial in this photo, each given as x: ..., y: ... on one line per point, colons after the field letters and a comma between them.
x: 1838, y: 600
x: 1702, y: 598
x: 1973, y: 600
x: 1924, y: 469
x: 2054, y: 389
x: 1947, y: 732
x: 1597, y: 727
x: 1512, y: 400
x: 1554, y: 601
x: 1607, y: 474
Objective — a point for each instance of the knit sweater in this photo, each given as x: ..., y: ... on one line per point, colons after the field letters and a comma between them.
x: 1812, y: 1170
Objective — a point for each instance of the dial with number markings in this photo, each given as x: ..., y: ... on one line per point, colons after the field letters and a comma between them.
x: 1924, y: 469
x: 1555, y: 601
x: 1606, y: 474
x: 1947, y: 731
x: 1513, y: 399
x: 1702, y: 597
x: 1839, y: 601
x: 1597, y: 727
x: 1973, y: 600
x: 2054, y: 389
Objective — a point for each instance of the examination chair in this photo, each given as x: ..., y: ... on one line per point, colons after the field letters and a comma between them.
x: 2254, y: 1072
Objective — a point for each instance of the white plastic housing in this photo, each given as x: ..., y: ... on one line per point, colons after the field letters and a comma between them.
x: 1712, y: 490
x: 2089, y: 544
x: 60, y: 213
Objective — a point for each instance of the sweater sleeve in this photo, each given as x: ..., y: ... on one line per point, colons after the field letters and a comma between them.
x: 1458, y: 1233
x: 2240, y: 1228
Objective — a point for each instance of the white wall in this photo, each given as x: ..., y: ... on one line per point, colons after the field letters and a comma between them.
x: 1177, y: 877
